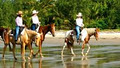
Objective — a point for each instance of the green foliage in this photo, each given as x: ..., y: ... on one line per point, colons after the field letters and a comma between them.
x: 98, y: 24
x: 104, y: 14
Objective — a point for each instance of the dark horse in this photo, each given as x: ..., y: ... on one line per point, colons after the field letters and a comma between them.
x: 2, y: 30
x: 44, y: 30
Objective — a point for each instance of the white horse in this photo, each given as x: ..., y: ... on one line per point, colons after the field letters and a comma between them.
x: 86, y: 33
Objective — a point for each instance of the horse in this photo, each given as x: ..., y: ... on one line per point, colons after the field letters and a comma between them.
x: 24, y: 39
x: 44, y: 30
x: 2, y: 30
x: 86, y: 33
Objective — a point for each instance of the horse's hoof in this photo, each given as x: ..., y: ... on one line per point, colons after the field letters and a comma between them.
x: 10, y: 50
x: 86, y: 54
x: 34, y: 55
x: 24, y: 60
x: 73, y: 54
x: 29, y: 58
x: 15, y: 58
x: 83, y: 55
x: 42, y: 56
x: 62, y: 55
x: 3, y: 58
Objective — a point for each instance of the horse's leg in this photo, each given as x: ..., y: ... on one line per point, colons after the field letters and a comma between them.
x: 88, y: 48
x: 10, y: 49
x: 40, y: 48
x: 14, y: 46
x: 31, y: 51
x: 83, y: 46
x: 23, y: 51
x: 72, y: 51
x: 36, y: 53
x: 63, y: 48
x: 4, y: 49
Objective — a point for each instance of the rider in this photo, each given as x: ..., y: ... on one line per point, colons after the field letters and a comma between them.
x: 35, y: 20
x: 19, y: 23
x: 79, y: 24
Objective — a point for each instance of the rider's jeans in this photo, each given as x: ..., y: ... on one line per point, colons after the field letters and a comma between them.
x: 17, y: 32
x: 78, y: 31
x: 33, y: 27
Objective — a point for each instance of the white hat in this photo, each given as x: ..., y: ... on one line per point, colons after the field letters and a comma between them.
x: 79, y: 14
x: 34, y: 12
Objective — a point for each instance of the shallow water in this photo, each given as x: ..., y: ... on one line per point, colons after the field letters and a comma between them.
x: 100, y: 56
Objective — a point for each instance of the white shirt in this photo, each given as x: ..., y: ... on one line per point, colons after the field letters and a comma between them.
x: 79, y: 22
x: 35, y: 20
x: 19, y: 21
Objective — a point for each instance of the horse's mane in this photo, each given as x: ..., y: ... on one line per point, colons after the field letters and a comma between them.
x: 31, y: 32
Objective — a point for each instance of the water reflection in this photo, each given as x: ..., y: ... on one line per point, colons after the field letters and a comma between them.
x: 21, y: 64
x: 74, y: 62
x: 26, y: 64
x: 40, y: 63
x: 30, y: 64
x: 68, y: 62
x: 85, y: 62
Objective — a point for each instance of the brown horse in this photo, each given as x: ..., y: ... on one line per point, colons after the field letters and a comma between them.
x: 44, y: 30
x: 24, y: 39
x: 86, y: 33
x: 2, y: 30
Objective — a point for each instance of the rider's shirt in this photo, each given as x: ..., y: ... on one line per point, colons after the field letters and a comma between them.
x: 19, y: 21
x: 79, y: 22
x: 35, y: 20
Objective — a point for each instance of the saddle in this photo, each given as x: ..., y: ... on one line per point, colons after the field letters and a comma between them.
x: 76, y: 31
x: 13, y: 32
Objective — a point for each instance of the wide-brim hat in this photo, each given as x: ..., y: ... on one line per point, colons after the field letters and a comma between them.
x: 34, y: 12
x: 79, y: 14
x: 19, y: 13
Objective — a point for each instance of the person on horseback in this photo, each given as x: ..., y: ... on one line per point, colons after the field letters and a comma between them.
x: 35, y: 20
x: 79, y: 24
x: 19, y: 23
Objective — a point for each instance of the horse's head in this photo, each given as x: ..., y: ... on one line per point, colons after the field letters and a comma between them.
x: 6, y: 37
x: 38, y: 39
x: 96, y: 33
x: 52, y: 29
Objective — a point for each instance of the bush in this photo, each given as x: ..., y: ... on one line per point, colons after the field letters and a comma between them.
x: 97, y: 24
